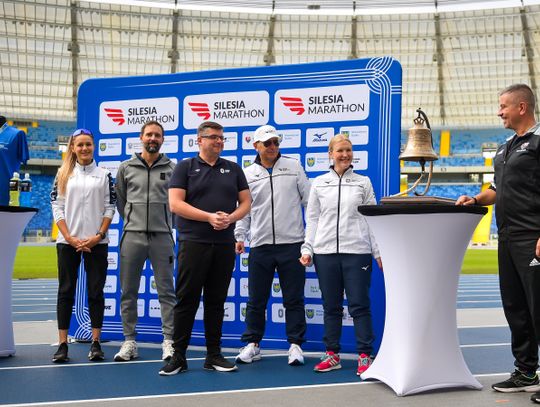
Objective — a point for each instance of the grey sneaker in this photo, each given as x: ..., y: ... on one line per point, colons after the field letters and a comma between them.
x: 167, y: 349
x: 518, y: 381
x: 127, y: 351
x: 249, y: 353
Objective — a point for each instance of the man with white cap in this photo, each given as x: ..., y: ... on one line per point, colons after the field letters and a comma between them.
x: 279, y: 188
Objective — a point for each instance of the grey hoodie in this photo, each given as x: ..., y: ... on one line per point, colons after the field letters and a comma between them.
x: 142, y: 194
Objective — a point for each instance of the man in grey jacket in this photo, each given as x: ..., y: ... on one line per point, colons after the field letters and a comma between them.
x: 142, y: 201
x: 279, y: 188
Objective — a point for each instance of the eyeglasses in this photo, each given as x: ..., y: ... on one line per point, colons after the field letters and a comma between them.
x: 215, y: 137
x: 85, y: 132
x: 271, y: 141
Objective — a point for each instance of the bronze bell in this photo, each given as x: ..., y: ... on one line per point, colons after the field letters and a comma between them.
x: 420, y: 142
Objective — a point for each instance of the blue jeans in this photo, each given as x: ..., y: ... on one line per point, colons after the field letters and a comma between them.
x: 263, y: 263
x: 352, y: 273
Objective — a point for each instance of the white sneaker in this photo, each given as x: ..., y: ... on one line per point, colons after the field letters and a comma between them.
x: 167, y: 349
x: 296, y: 356
x: 249, y: 353
x: 127, y: 352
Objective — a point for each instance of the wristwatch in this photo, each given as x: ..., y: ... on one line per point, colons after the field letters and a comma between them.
x: 101, y: 234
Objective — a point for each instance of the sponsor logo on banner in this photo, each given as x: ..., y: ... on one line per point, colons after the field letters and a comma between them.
x: 231, y: 290
x: 347, y: 319
x: 278, y: 313
x: 111, y: 166
x: 170, y: 145
x: 320, y: 162
x: 114, y: 235
x: 311, y: 288
x: 110, y: 146
x: 128, y: 116
x: 112, y: 260
x: 140, y: 308
x: 110, y: 307
x: 276, y: 288
x: 243, y: 311
x: 153, y: 285
x: 324, y: 104
x: 142, y: 285
x: 314, y: 314
x: 247, y: 140
x: 116, y: 218
x: 154, y: 309
x: 319, y: 137
x: 244, y: 292
x: 247, y: 160
x: 234, y: 109
x: 229, y: 314
x: 244, y: 261
x: 189, y: 143
x: 291, y: 138
x: 359, y: 135
x: 231, y: 140
x: 110, y: 283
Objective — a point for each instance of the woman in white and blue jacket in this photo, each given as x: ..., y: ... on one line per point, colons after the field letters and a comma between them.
x: 83, y: 202
x: 338, y: 240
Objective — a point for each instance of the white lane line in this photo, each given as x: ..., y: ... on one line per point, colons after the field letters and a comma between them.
x: 478, y: 302
x: 34, y: 312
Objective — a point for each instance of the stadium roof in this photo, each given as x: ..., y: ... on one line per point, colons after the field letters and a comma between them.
x: 456, y: 55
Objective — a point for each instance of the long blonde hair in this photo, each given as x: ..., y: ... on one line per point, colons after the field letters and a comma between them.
x: 66, y: 169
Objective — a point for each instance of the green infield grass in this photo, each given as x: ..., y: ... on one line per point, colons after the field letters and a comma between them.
x: 40, y: 262
x: 480, y: 261
x: 35, y: 262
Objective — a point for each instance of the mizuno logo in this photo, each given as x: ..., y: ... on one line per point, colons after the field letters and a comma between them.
x: 534, y: 262
x: 319, y: 135
x: 117, y: 115
x: 295, y: 105
x: 201, y: 109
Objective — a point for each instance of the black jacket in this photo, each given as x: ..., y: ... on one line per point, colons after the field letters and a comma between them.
x: 517, y: 183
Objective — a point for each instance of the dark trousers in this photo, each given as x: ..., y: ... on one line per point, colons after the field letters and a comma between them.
x: 263, y: 262
x: 95, y: 265
x: 208, y: 267
x: 352, y: 273
x: 519, y: 278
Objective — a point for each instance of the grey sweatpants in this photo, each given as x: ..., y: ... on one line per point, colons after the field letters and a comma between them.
x: 135, y: 248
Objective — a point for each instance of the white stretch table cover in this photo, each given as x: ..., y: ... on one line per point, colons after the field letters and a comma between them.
x: 13, y: 220
x: 422, y: 255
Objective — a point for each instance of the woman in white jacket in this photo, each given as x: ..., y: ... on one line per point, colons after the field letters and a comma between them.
x: 340, y: 243
x: 83, y: 202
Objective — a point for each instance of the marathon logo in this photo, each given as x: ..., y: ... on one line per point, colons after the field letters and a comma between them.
x: 126, y: 116
x: 325, y: 104
x: 234, y: 109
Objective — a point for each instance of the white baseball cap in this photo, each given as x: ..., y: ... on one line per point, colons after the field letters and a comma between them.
x: 264, y: 133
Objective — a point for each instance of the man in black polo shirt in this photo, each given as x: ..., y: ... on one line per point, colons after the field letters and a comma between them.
x: 208, y: 194
x: 516, y: 193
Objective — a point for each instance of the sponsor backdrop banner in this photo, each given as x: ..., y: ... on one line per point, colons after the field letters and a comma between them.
x: 308, y: 104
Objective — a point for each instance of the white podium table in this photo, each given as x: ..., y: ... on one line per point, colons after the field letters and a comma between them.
x: 13, y: 220
x: 422, y: 248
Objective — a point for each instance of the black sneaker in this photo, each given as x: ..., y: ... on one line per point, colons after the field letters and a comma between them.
x: 219, y: 363
x: 177, y: 364
x: 61, y: 355
x: 95, y: 352
x: 518, y: 381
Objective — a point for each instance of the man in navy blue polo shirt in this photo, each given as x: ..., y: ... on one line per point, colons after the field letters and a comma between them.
x: 208, y: 194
